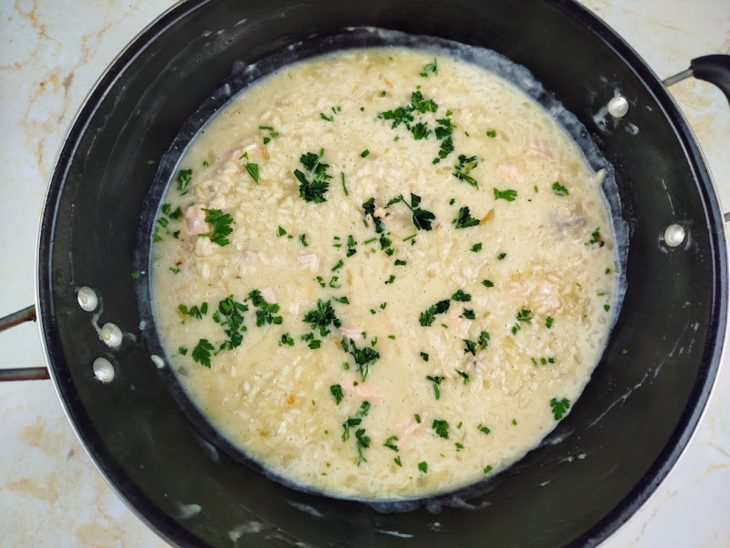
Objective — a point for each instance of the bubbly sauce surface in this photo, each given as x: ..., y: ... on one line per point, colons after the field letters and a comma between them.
x: 383, y: 273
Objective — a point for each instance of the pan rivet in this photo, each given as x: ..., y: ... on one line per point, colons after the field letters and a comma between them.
x: 87, y: 299
x: 103, y: 370
x: 674, y: 235
x: 618, y: 106
x: 111, y: 335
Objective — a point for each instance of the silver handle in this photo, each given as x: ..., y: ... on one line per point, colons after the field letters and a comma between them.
x: 21, y: 373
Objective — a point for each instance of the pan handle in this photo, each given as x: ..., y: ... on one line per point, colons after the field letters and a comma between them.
x: 710, y: 68
x: 23, y: 373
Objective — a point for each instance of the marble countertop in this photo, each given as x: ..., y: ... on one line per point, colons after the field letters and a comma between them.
x: 51, y: 53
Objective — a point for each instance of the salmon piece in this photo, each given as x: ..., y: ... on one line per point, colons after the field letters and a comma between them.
x: 352, y: 333
x: 360, y: 390
x: 195, y: 220
x: 310, y: 261
x: 538, y: 149
x: 509, y: 172
x: 268, y: 294
x: 411, y: 427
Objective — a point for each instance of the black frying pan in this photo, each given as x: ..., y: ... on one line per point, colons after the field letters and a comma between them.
x: 635, y: 416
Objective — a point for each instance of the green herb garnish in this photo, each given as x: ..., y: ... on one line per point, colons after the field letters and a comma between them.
x: 464, y: 219
x: 313, y: 189
x: 559, y: 407
x: 441, y: 427
x: 184, y: 176
x: 336, y: 391
x: 220, y: 226
x: 559, y: 189
x: 509, y: 195
x: 428, y: 316
x: 201, y: 352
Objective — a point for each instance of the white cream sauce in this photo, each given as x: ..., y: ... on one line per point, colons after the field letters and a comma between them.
x: 451, y: 395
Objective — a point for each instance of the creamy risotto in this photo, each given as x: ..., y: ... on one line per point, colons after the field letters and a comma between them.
x: 383, y: 273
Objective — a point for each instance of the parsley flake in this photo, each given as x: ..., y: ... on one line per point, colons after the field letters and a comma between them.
x: 184, y: 176
x: 253, y: 171
x: 559, y: 407
x: 313, y: 190
x: 336, y: 391
x: 464, y: 219
x: 441, y: 427
x: 508, y: 195
x: 201, y: 352
x: 220, y: 226
x: 559, y: 189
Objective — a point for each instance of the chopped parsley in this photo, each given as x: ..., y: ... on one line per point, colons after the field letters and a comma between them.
x: 355, y: 420
x: 322, y: 317
x: 483, y: 340
x: 351, y: 243
x: 487, y: 283
x: 491, y: 133
x: 464, y: 219
x: 444, y: 133
x: 430, y: 68
x: 182, y: 350
x: 509, y: 195
x: 265, y: 311
x: 595, y: 238
x: 390, y: 443
x: 524, y: 315
x: 464, y: 375
x: 441, y: 427
x: 286, y: 340
x: 336, y: 391
x: 483, y: 429
x: 194, y: 311
x: 427, y: 317
x: 272, y: 134
x: 559, y: 189
x: 468, y: 314
x: 477, y: 247
x: 253, y: 171
x: 436, y: 383
x: 501, y: 256
x: 339, y: 264
x: 549, y: 322
x: 400, y: 262
x: 201, y: 352
x: 303, y: 240
x: 470, y: 347
x: 230, y: 316
x: 559, y: 407
x: 184, y: 176
x: 344, y: 184
x: 461, y: 296
x: 313, y: 189
x: 463, y: 169
x: 390, y: 279
x: 422, y: 218
x: 361, y: 442
x: 220, y: 226
x: 398, y: 462
x: 423, y: 466
x: 488, y: 468
x: 424, y: 356
x: 365, y: 153
x: 364, y: 356
x: 421, y: 103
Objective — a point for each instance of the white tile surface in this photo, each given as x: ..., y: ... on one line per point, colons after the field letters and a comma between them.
x: 50, y: 55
